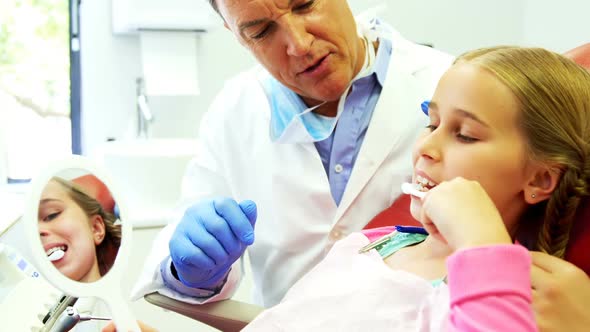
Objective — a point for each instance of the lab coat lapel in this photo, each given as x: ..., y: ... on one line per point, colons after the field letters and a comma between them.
x: 390, y: 122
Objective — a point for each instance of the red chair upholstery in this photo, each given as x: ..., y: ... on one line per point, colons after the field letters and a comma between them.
x: 578, y: 250
x: 580, y: 54
x: 98, y: 190
x: 397, y: 214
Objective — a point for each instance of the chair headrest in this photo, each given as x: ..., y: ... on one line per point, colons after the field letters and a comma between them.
x: 580, y: 55
x: 98, y: 190
x: 578, y: 249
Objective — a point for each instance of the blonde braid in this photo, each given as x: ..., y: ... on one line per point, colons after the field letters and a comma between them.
x: 559, y: 213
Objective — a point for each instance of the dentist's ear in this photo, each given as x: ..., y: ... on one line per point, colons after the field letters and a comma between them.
x: 98, y: 229
x: 542, y: 183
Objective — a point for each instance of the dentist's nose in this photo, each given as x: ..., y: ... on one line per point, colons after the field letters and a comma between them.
x: 298, y: 40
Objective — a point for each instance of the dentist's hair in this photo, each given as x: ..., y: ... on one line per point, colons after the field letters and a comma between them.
x: 213, y: 4
x: 108, y: 248
x: 554, y: 97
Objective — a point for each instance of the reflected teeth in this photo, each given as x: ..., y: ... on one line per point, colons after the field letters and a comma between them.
x: 423, y: 183
x: 54, y: 249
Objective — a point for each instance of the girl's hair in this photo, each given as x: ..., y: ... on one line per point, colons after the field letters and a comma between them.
x: 554, y: 97
x: 107, y: 250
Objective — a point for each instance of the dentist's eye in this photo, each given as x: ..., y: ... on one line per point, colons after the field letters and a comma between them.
x: 305, y: 6
x: 466, y: 139
x: 262, y: 33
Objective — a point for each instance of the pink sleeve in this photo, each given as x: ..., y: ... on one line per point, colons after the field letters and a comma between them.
x: 490, y: 289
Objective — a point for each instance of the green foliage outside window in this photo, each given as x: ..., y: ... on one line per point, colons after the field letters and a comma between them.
x: 34, y: 55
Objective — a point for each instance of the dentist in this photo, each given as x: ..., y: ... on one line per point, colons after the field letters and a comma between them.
x: 296, y: 153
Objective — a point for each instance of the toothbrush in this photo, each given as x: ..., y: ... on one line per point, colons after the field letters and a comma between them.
x: 56, y: 255
x: 410, y: 189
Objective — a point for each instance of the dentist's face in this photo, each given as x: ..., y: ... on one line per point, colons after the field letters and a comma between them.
x: 63, y: 224
x: 311, y: 46
x: 474, y: 133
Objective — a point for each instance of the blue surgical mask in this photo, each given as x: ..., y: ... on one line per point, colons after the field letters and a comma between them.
x: 291, y: 120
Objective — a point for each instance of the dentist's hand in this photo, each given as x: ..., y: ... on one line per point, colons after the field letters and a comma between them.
x: 460, y: 213
x: 110, y: 327
x: 561, y: 294
x: 211, y: 236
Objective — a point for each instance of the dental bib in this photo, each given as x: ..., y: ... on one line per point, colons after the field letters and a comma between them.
x: 292, y: 121
x: 348, y: 291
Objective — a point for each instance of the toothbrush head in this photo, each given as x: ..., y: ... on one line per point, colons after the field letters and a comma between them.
x: 410, y: 189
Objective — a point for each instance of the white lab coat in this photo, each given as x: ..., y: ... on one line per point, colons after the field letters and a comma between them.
x: 298, y: 220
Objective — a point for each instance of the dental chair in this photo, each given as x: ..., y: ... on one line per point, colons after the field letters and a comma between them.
x: 97, y: 189
x: 231, y: 315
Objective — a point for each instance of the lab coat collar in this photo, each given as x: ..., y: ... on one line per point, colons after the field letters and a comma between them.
x: 383, y: 135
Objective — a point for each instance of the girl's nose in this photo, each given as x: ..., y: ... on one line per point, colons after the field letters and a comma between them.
x: 428, y: 146
x: 43, y: 229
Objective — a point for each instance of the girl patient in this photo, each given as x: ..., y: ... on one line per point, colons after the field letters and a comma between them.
x: 504, y: 159
x: 78, y: 235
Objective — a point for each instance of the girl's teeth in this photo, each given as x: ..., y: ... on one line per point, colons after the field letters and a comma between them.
x: 424, y: 182
x: 52, y: 250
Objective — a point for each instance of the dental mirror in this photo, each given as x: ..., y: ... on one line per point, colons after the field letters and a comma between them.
x: 80, y: 242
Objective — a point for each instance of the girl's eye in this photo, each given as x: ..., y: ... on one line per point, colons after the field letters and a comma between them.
x: 51, y: 216
x: 466, y: 139
x: 431, y: 127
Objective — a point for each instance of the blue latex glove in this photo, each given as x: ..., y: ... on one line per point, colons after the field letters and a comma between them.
x: 211, y: 236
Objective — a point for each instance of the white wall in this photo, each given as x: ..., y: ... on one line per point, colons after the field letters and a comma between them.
x: 455, y: 26
x: 557, y: 25
x: 111, y: 63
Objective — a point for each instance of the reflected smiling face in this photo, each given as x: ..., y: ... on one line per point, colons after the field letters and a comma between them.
x: 311, y: 46
x: 474, y: 134
x: 64, y: 225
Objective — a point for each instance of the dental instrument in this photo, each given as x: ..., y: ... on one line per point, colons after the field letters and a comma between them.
x: 410, y: 189
x: 70, y: 317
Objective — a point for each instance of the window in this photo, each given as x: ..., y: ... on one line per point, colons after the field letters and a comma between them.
x: 35, y: 106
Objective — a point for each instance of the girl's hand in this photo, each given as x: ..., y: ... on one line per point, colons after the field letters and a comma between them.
x: 460, y: 213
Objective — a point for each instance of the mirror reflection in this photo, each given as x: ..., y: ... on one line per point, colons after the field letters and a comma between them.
x: 78, y: 227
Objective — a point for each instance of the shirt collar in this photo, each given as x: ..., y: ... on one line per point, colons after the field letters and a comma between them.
x: 382, y: 59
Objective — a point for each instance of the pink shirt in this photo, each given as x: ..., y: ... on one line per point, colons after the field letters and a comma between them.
x: 490, y: 287
x: 488, y: 290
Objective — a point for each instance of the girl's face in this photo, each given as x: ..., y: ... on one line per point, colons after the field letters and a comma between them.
x: 63, y: 224
x: 474, y: 133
